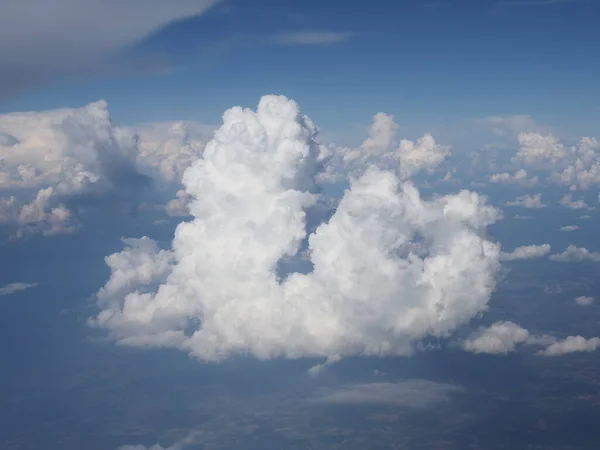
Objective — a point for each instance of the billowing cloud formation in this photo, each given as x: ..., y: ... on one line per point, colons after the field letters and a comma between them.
x: 576, y: 254
x: 568, y: 202
x: 572, y: 344
x: 171, y: 147
x: 528, y: 201
x: 577, y: 167
x: 387, y: 269
x: 499, y: 338
x: 526, y: 252
x: 15, y: 287
x: 381, y: 147
x: 67, y: 156
x: 38, y: 43
x: 409, y: 393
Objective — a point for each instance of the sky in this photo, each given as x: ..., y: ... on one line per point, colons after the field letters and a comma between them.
x: 425, y: 62
x: 256, y: 225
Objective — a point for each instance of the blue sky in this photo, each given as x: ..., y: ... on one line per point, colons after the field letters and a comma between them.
x: 425, y: 62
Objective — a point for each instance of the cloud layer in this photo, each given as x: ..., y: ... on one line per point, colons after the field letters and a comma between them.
x: 74, y: 37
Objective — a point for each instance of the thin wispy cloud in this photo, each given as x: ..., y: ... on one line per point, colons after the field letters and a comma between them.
x: 15, y: 287
x: 312, y: 38
x: 533, y: 2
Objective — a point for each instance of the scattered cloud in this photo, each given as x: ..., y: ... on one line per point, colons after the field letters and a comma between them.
x: 576, y: 254
x: 533, y: 2
x: 193, y: 438
x: 584, y: 301
x: 526, y: 252
x: 498, y: 339
x: 570, y: 228
x: 571, y: 344
x: 15, y: 287
x: 568, y: 202
x: 408, y: 393
x: 316, y: 370
x: 528, y: 201
x: 312, y: 37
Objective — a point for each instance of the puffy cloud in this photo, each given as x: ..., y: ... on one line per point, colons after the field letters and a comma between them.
x: 499, y: 338
x: 76, y: 36
x: 577, y: 167
x: 38, y: 216
x: 409, y: 393
x: 570, y: 228
x: 317, y: 369
x: 171, y: 147
x: 179, y: 206
x: 568, y: 202
x: 526, y: 252
x: 387, y: 269
x: 381, y: 148
x: 575, y: 254
x: 72, y: 157
x: 191, y: 439
x: 15, y: 287
x: 584, y: 301
x: 520, y: 176
x: 539, y: 151
x: 528, y: 201
x: 572, y: 344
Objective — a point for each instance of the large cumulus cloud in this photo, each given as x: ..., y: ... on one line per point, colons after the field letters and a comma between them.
x: 386, y: 268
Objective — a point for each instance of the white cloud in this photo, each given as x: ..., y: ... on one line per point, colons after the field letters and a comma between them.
x: 69, y: 156
x: 511, y: 125
x: 179, y: 206
x: 570, y: 228
x: 312, y: 37
x: 383, y: 149
x: 577, y: 167
x: 38, y: 216
x: 520, y: 177
x: 571, y: 344
x: 500, y: 338
x: 584, y: 301
x: 191, y: 439
x: 575, y: 254
x: 528, y: 201
x: 408, y: 393
x: 521, y: 217
x: 317, y: 369
x: 171, y: 147
x: 526, y: 252
x: 388, y: 268
x: 567, y: 202
x: 539, y: 151
x: 38, y: 43
x: 15, y: 287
